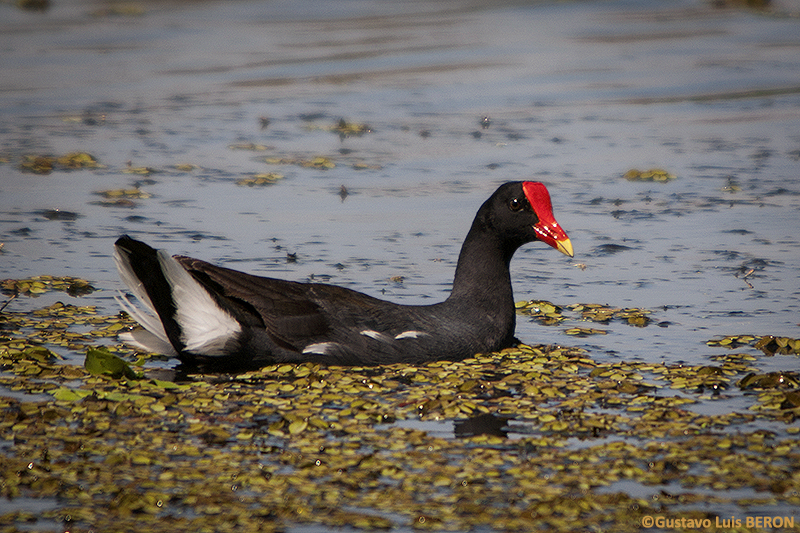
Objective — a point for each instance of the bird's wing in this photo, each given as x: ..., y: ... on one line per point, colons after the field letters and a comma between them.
x: 294, y: 314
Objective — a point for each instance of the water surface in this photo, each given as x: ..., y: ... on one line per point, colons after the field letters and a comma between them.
x: 577, y: 94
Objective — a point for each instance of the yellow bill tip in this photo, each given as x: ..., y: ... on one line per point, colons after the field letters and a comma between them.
x: 565, y: 247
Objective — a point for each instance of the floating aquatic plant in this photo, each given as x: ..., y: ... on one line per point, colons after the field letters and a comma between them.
x: 319, y: 162
x: 654, y: 174
x: 542, y: 434
x: 769, y: 344
x: 343, y: 128
x: 101, y: 362
x: 134, y: 193
x: 42, y: 284
x: 140, y: 171
x: 348, y: 129
x: 549, y: 313
x: 252, y: 147
x: 259, y: 180
x: 44, y: 164
x: 585, y: 332
x: 544, y: 311
x: 770, y: 380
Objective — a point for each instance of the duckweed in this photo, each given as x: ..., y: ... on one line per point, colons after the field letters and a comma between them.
x: 654, y: 174
x: 186, y: 167
x: 134, y: 193
x: 252, y: 147
x: 319, y: 162
x: 549, y: 313
x: 604, y: 313
x: 543, y: 435
x: 733, y: 341
x: 259, y: 180
x: 139, y: 171
x: 585, y: 332
x: 545, y: 312
x: 322, y: 162
x: 343, y: 128
x: 77, y: 160
x: 44, y: 164
x: 348, y: 129
x: 769, y: 344
x: 771, y: 380
x: 121, y: 197
x: 41, y: 284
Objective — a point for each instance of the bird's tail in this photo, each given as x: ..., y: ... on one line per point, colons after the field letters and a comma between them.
x: 180, y: 316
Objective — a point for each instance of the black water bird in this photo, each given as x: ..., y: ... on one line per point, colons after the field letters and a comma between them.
x: 200, y: 312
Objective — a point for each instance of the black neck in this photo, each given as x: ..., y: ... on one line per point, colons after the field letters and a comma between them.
x: 482, y: 274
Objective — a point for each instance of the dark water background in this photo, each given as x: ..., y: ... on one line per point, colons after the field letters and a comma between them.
x: 577, y: 93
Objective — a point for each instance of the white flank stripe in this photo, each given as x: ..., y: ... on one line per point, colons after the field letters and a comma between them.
x: 377, y: 335
x: 206, y: 328
x: 410, y: 335
x: 320, y: 348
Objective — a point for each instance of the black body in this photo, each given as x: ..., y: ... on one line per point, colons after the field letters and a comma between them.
x: 290, y: 321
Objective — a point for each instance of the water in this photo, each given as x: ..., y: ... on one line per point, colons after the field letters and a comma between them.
x: 578, y: 93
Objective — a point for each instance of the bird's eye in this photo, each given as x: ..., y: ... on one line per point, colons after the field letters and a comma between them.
x: 515, y: 204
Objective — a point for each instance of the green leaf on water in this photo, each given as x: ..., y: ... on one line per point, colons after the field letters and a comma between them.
x: 166, y: 384
x: 101, y: 362
x: 70, y: 395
